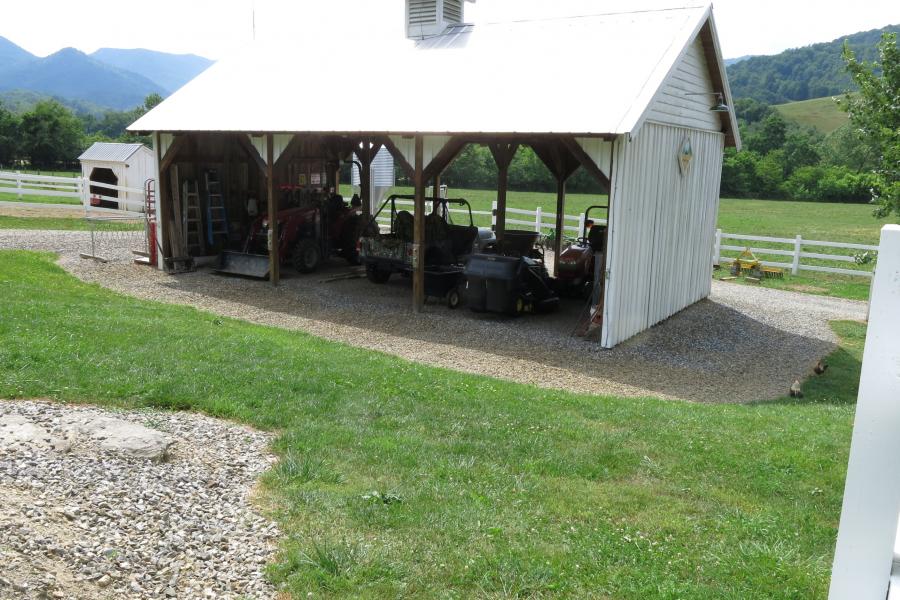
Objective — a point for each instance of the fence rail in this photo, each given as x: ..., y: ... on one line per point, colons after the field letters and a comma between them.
x: 129, y: 199
x: 796, y: 253
x: 542, y: 222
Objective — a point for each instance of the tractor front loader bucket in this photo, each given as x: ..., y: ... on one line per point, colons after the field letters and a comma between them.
x: 240, y: 263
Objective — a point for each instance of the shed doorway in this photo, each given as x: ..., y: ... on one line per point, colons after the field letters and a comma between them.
x: 103, y: 175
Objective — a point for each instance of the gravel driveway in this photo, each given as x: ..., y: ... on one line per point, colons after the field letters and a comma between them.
x: 713, y: 351
x: 79, y: 520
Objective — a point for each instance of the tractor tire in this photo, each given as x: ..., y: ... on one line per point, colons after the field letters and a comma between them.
x: 376, y: 275
x: 306, y: 256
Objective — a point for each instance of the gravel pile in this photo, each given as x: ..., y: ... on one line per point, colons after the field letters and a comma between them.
x: 80, y: 521
x: 740, y: 345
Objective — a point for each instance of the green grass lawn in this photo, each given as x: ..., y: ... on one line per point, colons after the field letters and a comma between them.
x: 39, y: 199
x: 821, y: 114
x: 76, y: 223
x: 484, y: 488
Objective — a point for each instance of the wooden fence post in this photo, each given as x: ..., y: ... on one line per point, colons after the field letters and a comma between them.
x: 798, y: 248
x: 494, y: 215
x: 537, y: 219
x: 18, y: 185
x: 581, y: 221
x: 868, y: 528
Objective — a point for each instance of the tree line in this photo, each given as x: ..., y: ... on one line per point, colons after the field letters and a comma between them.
x: 856, y: 163
x: 50, y: 136
x: 784, y: 161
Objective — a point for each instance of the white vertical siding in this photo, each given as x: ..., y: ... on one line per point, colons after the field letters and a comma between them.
x: 672, y: 105
x: 661, y: 228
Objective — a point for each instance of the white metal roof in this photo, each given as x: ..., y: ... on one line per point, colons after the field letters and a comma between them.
x: 110, y: 152
x: 589, y: 75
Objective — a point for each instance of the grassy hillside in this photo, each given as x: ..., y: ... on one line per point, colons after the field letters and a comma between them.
x: 822, y: 114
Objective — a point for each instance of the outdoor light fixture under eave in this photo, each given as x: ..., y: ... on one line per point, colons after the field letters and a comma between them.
x: 719, y: 106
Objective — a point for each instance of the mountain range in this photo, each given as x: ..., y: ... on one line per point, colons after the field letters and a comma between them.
x: 120, y: 79
x: 802, y: 73
x: 108, y: 78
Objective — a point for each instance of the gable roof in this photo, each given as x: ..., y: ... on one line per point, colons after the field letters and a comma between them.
x: 585, y: 75
x: 110, y: 152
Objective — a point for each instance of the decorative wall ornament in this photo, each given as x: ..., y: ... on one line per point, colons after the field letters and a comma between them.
x: 685, y: 155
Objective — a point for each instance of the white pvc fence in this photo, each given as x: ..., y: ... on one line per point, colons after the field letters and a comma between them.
x: 129, y: 199
x: 795, y: 252
x: 542, y: 222
x: 864, y: 555
x: 538, y: 220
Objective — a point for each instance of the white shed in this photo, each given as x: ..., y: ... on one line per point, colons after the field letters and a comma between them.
x: 125, y: 165
x: 639, y: 98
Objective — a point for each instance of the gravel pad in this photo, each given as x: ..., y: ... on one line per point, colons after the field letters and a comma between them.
x: 81, y: 521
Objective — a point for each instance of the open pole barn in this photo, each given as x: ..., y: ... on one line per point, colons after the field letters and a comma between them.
x: 638, y: 98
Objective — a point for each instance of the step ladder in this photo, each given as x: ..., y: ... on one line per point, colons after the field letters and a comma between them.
x: 216, y: 217
x: 193, y: 218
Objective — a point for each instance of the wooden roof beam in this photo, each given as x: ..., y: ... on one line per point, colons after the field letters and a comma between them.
x: 251, y: 152
x: 444, y: 157
x: 586, y: 161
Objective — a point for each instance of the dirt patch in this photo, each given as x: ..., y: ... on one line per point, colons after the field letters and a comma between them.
x: 807, y: 289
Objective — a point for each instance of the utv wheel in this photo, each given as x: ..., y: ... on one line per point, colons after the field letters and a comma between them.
x: 453, y: 299
x: 306, y: 256
x: 376, y: 275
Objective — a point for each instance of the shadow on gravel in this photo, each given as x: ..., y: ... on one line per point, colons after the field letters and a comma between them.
x: 709, y: 352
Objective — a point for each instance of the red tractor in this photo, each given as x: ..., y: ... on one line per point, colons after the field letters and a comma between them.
x: 307, y: 234
x: 575, y: 276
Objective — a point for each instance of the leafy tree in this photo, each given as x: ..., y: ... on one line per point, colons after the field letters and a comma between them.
x: 769, y: 136
x: 9, y: 136
x: 800, y: 150
x: 847, y: 147
x: 750, y: 110
x: 51, y: 134
x: 875, y: 111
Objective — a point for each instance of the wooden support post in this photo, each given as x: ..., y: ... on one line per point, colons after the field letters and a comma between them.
x: 274, y: 258
x: 436, y: 192
x: 503, y: 154
x: 163, y: 204
x: 560, y: 221
x: 367, y: 152
x: 365, y: 185
x: 419, y: 227
x: 502, y: 185
x: 560, y: 161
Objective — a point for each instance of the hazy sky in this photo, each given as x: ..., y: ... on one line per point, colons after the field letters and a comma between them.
x: 215, y: 28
